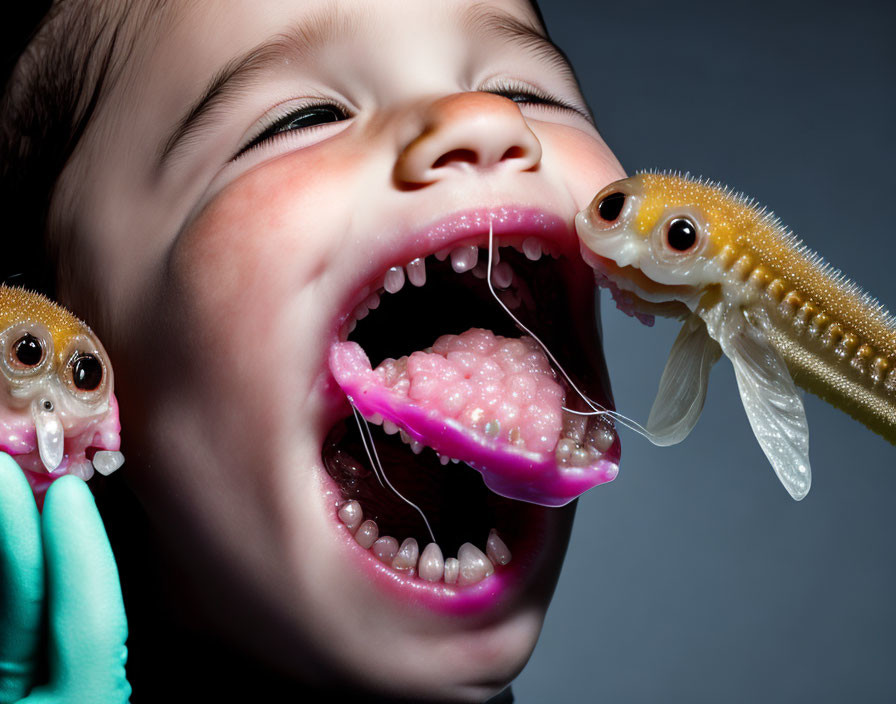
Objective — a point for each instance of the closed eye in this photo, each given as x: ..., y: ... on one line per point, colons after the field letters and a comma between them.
x: 298, y: 119
x: 523, y: 94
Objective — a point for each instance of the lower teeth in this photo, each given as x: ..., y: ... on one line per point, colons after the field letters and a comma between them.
x: 470, y: 566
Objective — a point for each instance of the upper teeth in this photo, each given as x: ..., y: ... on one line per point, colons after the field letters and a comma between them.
x: 463, y: 258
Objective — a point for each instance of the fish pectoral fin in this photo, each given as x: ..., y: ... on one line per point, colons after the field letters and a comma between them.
x: 771, y: 401
x: 682, y: 389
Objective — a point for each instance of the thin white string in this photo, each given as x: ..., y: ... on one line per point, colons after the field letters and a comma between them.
x: 361, y: 429
x: 597, y: 409
x: 377, y: 465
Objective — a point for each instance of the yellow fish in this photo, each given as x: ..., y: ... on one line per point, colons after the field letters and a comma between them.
x: 58, y: 413
x: 670, y: 245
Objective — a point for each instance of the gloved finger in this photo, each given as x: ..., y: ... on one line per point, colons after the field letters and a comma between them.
x: 87, y: 625
x: 21, y: 581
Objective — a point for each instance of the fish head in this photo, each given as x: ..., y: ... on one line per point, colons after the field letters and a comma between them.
x: 651, y: 235
x: 58, y: 398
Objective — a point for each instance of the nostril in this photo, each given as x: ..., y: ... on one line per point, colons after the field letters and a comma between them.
x: 463, y: 155
x: 610, y: 206
x: 514, y: 152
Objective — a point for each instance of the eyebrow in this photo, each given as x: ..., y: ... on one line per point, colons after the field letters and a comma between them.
x: 241, y: 73
x: 528, y: 36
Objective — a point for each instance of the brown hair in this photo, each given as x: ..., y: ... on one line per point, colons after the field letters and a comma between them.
x: 47, y: 102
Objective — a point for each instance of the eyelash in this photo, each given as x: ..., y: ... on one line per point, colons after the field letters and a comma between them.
x: 512, y: 90
x: 280, y: 126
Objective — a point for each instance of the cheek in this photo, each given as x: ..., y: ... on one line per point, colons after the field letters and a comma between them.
x: 250, y: 263
x: 585, y: 161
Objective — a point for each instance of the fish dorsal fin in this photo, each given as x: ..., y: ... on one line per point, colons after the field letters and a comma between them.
x: 770, y: 399
x: 682, y: 390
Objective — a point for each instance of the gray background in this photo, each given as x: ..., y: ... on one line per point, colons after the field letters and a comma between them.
x: 694, y: 577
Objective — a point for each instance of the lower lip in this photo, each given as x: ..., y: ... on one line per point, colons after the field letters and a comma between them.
x: 490, y: 593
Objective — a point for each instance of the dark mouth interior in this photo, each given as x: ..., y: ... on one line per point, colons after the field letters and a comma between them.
x: 448, y: 304
x: 453, y: 497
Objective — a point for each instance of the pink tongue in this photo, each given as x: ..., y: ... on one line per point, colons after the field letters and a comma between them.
x: 500, y: 387
x: 490, y: 401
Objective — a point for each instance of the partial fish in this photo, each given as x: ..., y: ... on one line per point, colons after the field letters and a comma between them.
x: 666, y: 244
x: 58, y: 413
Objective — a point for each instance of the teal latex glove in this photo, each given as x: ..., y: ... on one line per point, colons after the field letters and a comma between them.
x: 61, y: 558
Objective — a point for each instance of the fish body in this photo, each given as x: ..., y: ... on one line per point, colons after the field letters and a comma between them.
x: 58, y: 413
x: 746, y: 287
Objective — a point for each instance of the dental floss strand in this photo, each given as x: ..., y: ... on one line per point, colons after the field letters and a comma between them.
x: 597, y: 409
x: 378, y: 469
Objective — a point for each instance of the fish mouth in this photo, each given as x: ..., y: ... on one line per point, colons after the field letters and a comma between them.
x: 633, y: 292
x: 475, y: 477
x: 47, y: 445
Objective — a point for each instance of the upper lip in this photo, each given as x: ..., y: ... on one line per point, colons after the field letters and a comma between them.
x: 461, y: 227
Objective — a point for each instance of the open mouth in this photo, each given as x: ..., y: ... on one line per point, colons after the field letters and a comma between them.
x: 465, y: 418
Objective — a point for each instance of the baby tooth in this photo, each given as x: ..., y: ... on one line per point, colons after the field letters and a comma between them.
x: 444, y: 459
x: 464, y: 258
x: 532, y: 248
x: 431, y: 565
x: 452, y: 567
x: 376, y: 419
x: 442, y: 254
x: 417, y: 271
x: 394, y: 279
x: 474, y: 565
x: 50, y: 436
x: 416, y: 447
x: 564, y: 449
x: 389, y: 427
x: 351, y: 515
x: 367, y: 534
x: 360, y: 312
x: 580, y: 457
x: 502, y: 275
x: 107, y: 461
x: 84, y: 470
x: 406, y: 558
x: 480, y: 271
x: 385, y: 549
x: 600, y: 437
x: 496, y: 549
x: 373, y: 301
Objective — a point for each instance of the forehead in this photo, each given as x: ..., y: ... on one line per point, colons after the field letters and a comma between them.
x: 208, y: 30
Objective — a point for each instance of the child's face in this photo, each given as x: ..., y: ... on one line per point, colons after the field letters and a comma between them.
x: 219, y: 283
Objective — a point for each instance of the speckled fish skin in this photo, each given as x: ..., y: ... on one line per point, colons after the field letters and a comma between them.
x: 58, y: 413
x: 745, y: 287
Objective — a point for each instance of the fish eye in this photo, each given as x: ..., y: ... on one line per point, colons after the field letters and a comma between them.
x: 610, y: 206
x: 681, y: 234
x: 28, y: 350
x: 87, y: 371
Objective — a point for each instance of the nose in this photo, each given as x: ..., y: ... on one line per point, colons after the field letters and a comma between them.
x: 468, y: 132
